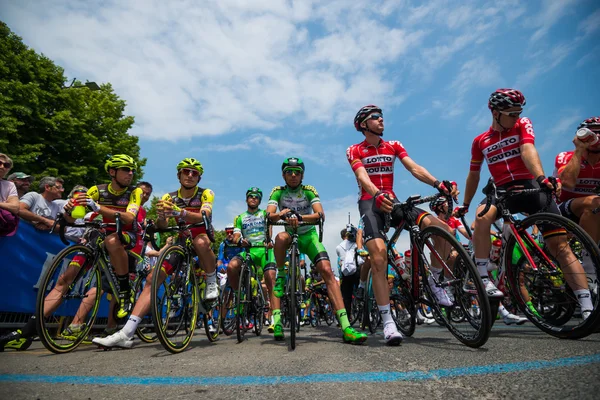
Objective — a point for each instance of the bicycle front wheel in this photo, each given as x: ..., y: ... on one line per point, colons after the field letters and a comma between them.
x: 564, y: 263
x: 68, y: 299
x: 228, y: 310
x: 174, y: 299
x: 145, y: 330
x: 242, y: 304
x: 292, y: 305
x: 439, y: 250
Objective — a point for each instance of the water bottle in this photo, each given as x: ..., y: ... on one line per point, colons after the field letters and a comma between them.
x: 587, y: 136
x: 254, y: 285
x: 78, y: 211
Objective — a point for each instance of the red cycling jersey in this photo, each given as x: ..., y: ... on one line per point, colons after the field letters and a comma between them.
x: 502, y: 151
x: 587, y: 180
x: 378, y: 161
x: 454, y: 223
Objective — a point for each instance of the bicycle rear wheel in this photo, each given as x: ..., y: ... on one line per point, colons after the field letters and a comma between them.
x: 174, y: 300
x: 440, y: 250
x: 372, y: 318
x: 553, y: 306
x: 403, y: 311
x: 68, y: 299
x: 145, y: 330
x: 212, y: 318
x: 258, y: 309
x: 228, y: 308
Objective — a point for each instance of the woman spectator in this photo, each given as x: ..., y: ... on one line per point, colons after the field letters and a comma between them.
x: 9, y: 200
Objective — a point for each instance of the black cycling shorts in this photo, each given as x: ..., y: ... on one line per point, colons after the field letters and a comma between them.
x: 565, y: 210
x: 374, y: 219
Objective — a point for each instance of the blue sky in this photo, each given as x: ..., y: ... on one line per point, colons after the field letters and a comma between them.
x: 240, y: 85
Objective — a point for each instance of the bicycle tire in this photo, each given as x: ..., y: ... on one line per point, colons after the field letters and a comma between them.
x: 175, y: 309
x: 84, y: 279
x: 228, y: 309
x: 328, y: 312
x: 145, y: 329
x: 467, y: 286
x: 557, y: 319
x: 313, y: 311
x: 242, y: 304
x: 356, y: 310
x: 405, y: 323
x: 259, y: 309
x: 292, y: 297
x: 209, y: 318
x: 371, y: 309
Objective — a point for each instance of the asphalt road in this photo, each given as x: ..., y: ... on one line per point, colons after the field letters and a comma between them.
x: 517, y: 362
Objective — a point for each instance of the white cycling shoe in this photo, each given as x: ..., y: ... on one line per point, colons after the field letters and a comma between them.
x: 492, y: 290
x: 211, y: 291
x: 439, y: 293
x: 118, y: 339
x: 512, y: 319
x: 391, y: 335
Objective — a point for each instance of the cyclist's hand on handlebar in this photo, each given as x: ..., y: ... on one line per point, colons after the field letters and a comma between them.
x: 461, y: 211
x: 447, y: 188
x: 550, y: 182
x: 269, y: 244
x: 383, y: 200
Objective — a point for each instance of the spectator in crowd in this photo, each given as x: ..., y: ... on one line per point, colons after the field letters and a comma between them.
x: 40, y: 209
x: 22, y: 181
x: 9, y: 199
x: 349, y: 265
x: 72, y: 233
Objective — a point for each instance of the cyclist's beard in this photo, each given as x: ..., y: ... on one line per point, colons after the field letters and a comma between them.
x: 253, y: 209
x: 188, y: 187
x: 374, y: 133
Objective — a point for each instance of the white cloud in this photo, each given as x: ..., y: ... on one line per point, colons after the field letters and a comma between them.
x: 563, y: 129
x: 551, y: 12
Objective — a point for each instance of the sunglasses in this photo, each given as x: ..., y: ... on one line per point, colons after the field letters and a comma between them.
x: 6, y: 164
x: 229, y: 232
x: 188, y: 171
x: 253, y: 196
x: 374, y: 116
x: 515, y: 114
x: 127, y: 169
x: 291, y: 171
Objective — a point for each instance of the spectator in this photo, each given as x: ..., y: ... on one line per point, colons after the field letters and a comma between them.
x: 9, y: 200
x: 40, y: 209
x: 349, y: 265
x: 22, y: 181
x: 72, y: 233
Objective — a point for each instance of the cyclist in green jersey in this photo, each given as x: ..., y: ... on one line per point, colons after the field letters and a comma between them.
x: 249, y: 228
x: 298, y: 202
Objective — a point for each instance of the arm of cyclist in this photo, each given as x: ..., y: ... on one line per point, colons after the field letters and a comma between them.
x: 532, y: 161
x: 424, y: 176
x: 382, y: 201
x: 470, y: 189
x: 568, y: 173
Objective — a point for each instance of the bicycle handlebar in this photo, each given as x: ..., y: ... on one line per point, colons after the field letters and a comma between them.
x: 182, y: 226
x: 490, y: 190
x: 318, y: 223
x: 60, y: 219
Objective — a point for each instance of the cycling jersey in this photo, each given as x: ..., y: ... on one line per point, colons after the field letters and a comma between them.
x: 378, y: 161
x: 127, y: 200
x: 201, y: 200
x: 226, y: 253
x: 587, y: 179
x: 300, y: 200
x: 502, y: 152
x: 252, y: 227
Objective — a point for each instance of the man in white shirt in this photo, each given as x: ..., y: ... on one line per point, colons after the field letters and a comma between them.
x: 40, y: 209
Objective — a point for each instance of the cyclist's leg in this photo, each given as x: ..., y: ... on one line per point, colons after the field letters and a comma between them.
x: 233, y: 270
x: 282, y: 242
x: 582, y: 207
x: 119, y: 258
x: 207, y: 259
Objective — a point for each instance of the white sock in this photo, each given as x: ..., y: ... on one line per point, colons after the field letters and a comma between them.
x: 503, y: 311
x: 212, y: 277
x: 584, y: 299
x: 386, y: 316
x: 482, y: 267
x: 362, y: 284
x: 131, y: 326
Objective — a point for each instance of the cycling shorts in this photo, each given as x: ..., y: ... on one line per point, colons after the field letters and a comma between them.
x: 308, y: 243
x: 530, y: 204
x: 565, y: 210
x: 263, y: 260
x: 374, y: 219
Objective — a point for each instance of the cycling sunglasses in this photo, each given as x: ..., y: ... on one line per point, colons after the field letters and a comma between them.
x: 292, y: 171
x: 515, y: 114
x: 188, y: 171
x: 127, y: 169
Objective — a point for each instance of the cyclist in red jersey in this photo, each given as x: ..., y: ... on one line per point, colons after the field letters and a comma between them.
x: 508, y: 147
x: 579, y: 171
x: 440, y: 208
x: 373, y: 164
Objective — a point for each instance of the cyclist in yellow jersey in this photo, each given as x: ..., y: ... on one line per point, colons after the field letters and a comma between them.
x: 185, y: 204
x: 106, y: 200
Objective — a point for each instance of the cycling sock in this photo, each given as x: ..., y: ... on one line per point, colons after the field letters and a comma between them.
x: 584, y: 299
x: 343, y: 318
x: 503, y: 311
x: 362, y: 284
x: 212, y: 277
x: 30, y: 328
x: 482, y: 267
x: 123, y: 282
x: 276, y: 317
x: 386, y: 316
x: 131, y: 326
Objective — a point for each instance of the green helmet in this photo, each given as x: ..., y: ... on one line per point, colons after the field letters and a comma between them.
x: 292, y: 162
x: 120, y: 161
x: 191, y: 163
x: 255, y: 191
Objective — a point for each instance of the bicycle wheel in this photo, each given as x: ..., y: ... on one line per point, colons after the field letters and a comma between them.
x: 371, y: 311
x: 68, y: 299
x: 174, y: 299
x: 212, y: 318
x: 292, y: 305
x: 328, y: 313
x: 313, y: 311
x: 403, y: 312
x: 242, y: 305
x: 145, y: 330
x: 258, y: 309
x: 440, y: 250
x: 548, y: 288
x: 357, y: 307
x: 228, y: 308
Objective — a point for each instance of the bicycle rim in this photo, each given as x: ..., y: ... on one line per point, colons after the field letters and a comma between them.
x: 175, y: 301
x: 228, y: 318
x: 554, y: 307
x: 242, y: 305
x: 441, y: 250
x: 68, y: 306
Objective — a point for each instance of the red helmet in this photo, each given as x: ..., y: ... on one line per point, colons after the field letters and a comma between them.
x: 364, y: 113
x: 502, y: 99
x: 593, y: 124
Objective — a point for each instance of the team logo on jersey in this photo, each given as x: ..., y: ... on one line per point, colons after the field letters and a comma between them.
x: 122, y: 201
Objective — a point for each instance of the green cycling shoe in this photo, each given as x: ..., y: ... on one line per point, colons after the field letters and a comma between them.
x: 279, y: 287
x: 278, y: 332
x: 353, y: 336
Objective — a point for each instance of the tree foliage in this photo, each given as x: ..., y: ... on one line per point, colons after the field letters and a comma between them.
x: 48, y: 129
